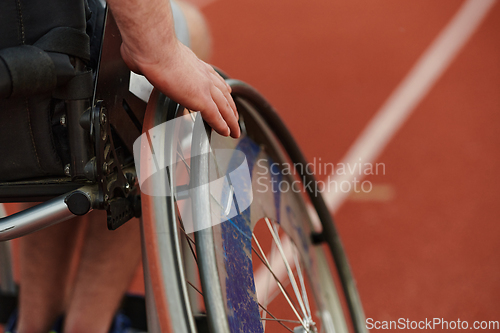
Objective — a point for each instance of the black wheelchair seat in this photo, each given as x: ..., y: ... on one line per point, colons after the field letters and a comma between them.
x: 67, y: 118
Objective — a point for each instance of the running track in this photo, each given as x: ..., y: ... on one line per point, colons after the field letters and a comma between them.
x: 424, y: 243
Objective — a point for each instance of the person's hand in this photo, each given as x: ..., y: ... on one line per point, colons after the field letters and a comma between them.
x: 151, y: 48
x: 180, y: 75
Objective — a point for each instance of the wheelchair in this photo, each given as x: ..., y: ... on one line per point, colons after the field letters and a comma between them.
x: 227, y: 228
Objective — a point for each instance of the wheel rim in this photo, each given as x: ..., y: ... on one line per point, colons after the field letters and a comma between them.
x: 235, y: 240
x: 214, y: 256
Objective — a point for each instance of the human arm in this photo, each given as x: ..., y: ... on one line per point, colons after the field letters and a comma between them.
x: 151, y: 48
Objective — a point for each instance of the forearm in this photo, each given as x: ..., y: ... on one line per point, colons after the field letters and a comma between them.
x: 145, y: 25
x: 150, y: 47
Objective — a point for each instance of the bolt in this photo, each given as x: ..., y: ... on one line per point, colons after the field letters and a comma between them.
x: 103, y: 118
x: 67, y: 170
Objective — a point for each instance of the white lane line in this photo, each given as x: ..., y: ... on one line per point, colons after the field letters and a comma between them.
x: 414, y: 87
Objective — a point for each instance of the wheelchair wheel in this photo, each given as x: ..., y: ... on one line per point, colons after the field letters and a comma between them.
x: 230, y: 240
x: 262, y: 263
x: 168, y: 267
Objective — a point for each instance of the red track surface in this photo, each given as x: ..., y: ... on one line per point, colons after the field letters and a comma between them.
x: 431, y: 249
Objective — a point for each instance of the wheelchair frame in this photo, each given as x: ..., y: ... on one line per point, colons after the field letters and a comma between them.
x: 101, y: 176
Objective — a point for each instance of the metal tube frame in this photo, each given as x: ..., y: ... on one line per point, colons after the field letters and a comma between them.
x: 41, y: 216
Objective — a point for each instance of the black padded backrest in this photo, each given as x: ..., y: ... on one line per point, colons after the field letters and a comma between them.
x: 26, y: 21
x: 32, y: 140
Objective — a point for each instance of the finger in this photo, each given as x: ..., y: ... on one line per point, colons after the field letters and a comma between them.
x: 226, y: 111
x: 227, y: 95
x: 213, y: 71
x: 219, y: 77
x: 212, y: 116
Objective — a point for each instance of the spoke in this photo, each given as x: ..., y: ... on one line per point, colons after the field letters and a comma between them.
x: 269, y: 313
x: 283, y: 320
x: 181, y: 155
x: 226, y: 211
x: 273, y: 318
x: 302, y: 284
x: 192, y: 285
x: 268, y: 280
x: 279, y: 283
x: 279, y: 269
x: 277, y: 292
x: 289, y: 270
x: 270, y: 270
x: 190, y: 241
